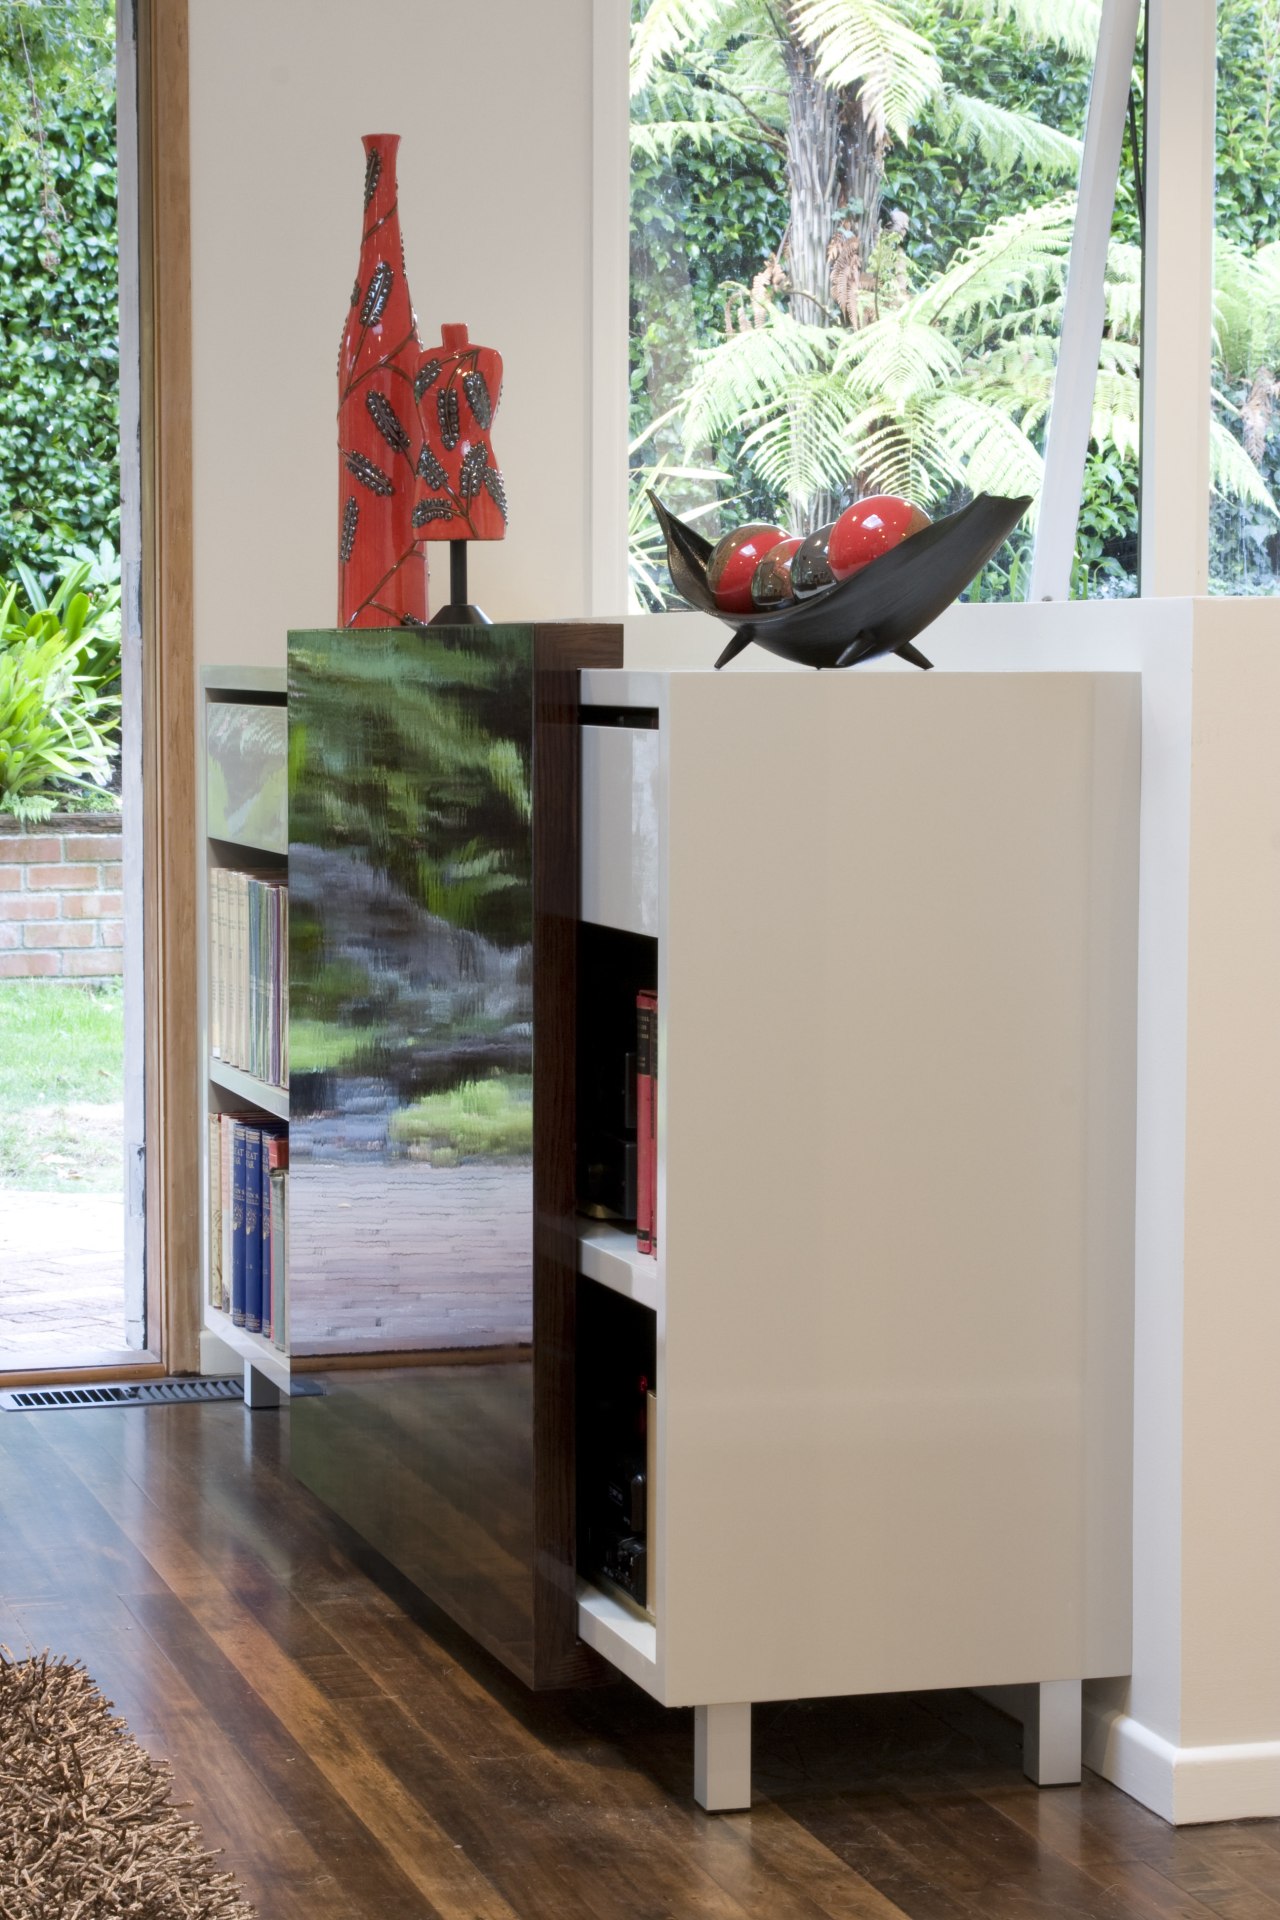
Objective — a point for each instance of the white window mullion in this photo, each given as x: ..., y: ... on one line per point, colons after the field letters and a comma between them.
x: 1084, y: 310
x: 1177, y: 328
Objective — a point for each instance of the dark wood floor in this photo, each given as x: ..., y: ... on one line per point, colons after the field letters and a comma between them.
x: 354, y: 1756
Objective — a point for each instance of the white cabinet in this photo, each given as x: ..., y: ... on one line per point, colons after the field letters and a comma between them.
x: 896, y: 931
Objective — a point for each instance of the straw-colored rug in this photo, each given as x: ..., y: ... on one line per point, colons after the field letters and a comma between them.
x: 87, y: 1828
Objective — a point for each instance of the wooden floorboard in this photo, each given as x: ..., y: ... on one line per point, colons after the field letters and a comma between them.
x: 354, y: 1755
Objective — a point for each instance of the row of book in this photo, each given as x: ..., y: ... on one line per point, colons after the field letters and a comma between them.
x: 647, y: 1121
x: 249, y: 973
x: 249, y: 1224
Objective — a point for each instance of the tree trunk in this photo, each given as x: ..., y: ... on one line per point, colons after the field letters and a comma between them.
x: 835, y: 161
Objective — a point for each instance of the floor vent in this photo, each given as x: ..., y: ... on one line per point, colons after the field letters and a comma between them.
x: 134, y: 1393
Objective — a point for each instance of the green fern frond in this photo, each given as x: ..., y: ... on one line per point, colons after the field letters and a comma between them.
x: 1072, y: 25
x: 1014, y: 261
x: 1006, y: 138
x: 750, y: 374
x: 990, y: 451
x: 670, y: 26
x: 898, y: 359
x: 869, y: 45
x: 661, y: 139
x: 801, y: 446
x: 1233, y: 474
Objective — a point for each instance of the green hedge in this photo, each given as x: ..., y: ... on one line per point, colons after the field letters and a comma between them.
x: 59, y: 326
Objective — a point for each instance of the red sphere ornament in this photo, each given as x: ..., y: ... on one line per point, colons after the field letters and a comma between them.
x: 382, y: 571
x: 869, y: 528
x: 771, y: 581
x: 733, y: 563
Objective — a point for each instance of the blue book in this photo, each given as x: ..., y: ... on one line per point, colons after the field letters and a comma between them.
x: 253, y: 1230
x: 237, y: 1224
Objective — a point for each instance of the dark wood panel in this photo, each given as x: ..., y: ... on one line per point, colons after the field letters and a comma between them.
x: 560, y: 652
x: 358, y: 1757
x: 462, y: 1476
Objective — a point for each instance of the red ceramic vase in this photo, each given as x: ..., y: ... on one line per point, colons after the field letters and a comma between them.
x: 382, y: 570
x: 460, y: 495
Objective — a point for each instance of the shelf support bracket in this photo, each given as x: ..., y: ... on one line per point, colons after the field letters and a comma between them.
x: 1051, y: 1733
x: 722, y: 1757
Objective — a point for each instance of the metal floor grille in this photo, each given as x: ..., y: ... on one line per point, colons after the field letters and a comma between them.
x: 135, y: 1393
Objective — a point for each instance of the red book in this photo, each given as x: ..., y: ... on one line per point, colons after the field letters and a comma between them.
x: 646, y: 1118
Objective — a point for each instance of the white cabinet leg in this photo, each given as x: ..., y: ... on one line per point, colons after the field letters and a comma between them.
x: 258, y: 1390
x: 722, y: 1757
x: 1051, y: 1733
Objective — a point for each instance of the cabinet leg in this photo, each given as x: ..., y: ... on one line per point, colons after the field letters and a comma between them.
x: 722, y: 1757
x: 259, y: 1392
x: 1051, y: 1733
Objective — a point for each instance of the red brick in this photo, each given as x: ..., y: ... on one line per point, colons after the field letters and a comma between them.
x: 43, y: 877
x: 32, y: 906
x: 10, y: 877
x: 112, y: 933
x: 26, y: 847
x: 25, y: 966
x: 91, y: 846
x: 90, y: 906
x: 111, y: 875
x: 61, y: 933
x: 10, y: 936
x: 81, y: 965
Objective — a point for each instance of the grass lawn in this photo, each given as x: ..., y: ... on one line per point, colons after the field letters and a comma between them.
x: 62, y: 1085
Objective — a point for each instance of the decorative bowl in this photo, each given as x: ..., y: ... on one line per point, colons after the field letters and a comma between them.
x: 878, y: 610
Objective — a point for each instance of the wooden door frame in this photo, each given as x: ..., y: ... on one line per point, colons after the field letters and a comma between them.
x: 171, y: 1040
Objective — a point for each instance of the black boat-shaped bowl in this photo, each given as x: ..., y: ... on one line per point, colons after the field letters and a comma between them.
x: 878, y: 610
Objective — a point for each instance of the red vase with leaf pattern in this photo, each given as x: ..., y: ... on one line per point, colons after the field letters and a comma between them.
x: 382, y: 568
x: 461, y: 495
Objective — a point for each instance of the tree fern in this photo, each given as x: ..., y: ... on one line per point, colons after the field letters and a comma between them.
x: 1006, y: 138
x: 869, y: 45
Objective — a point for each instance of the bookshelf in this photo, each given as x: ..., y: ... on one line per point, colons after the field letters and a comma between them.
x: 891, y: 924
x: 245, y: 819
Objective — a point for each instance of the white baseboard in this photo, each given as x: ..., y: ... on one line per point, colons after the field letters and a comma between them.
x: 1184, y: 1785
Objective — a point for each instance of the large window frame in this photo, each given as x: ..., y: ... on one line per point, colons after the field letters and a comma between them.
x: 1177, y: 302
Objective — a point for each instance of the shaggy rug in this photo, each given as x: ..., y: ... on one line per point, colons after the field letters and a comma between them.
x: 87, y: 1828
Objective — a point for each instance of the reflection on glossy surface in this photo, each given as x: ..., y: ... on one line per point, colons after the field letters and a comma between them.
x: 411, y: 1010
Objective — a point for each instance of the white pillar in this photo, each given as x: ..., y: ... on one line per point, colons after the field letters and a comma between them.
x: 1177, y: 296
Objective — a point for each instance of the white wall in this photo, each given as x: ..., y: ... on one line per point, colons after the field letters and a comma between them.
x: 493, y: 103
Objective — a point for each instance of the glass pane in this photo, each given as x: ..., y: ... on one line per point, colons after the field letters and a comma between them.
x: 850, y: 225
x: 1244, y: 536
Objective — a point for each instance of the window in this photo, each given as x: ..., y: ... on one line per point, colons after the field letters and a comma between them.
x: 851, y: 222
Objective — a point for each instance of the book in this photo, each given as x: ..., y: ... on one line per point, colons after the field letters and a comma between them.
x: 646, y: 1053
x: 264, y: 1226
x: 280, y: 1256
x: 248, y: 966
x: 239, y: 1133
x: 215, y: 1210
x: 252, y: 1229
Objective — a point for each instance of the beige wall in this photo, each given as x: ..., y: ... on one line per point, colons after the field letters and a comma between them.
x: 492, y: 100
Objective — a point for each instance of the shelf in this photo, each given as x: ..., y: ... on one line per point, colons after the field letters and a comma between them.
x: 268, y: 682
x: 620, y: 1633
x: 608, y: 1254
x: 246, y: 1086
x: 268, y: 1359
x: 241, y: 845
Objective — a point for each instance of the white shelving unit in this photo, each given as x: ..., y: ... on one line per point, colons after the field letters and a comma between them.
x: 244, y: 821
x: 896, y: 922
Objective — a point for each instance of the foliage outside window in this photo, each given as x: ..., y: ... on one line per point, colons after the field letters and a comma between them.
x: 851, y: 222
x: 59, y: 417
x: 1244, y: 542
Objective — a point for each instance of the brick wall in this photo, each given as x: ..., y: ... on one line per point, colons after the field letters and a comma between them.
x: 60, y: 902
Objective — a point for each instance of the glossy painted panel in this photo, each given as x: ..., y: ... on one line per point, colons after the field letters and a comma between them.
x: 411, y: 989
